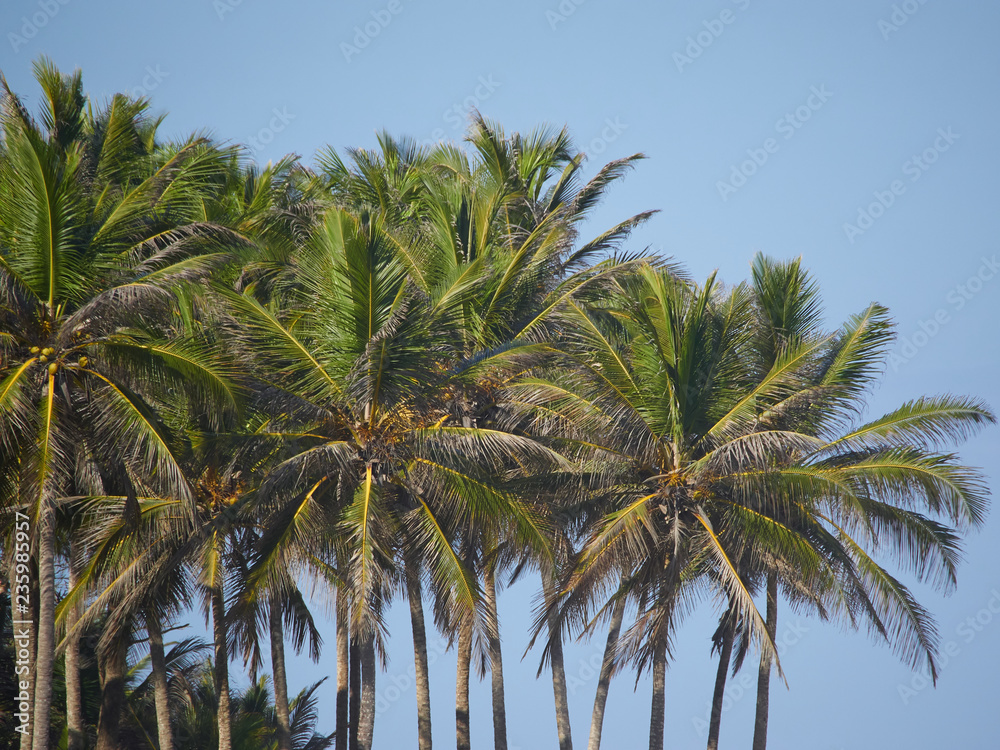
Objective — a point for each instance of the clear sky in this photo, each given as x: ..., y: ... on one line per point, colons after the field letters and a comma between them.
x: 855, y: 133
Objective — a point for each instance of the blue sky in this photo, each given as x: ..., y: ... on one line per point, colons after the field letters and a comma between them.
x: 860, y: 135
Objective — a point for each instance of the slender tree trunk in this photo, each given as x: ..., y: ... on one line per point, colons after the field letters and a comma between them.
x: 604, y: 681
x: 74, y: 700
x: 343, y: 672
x: 422, y: 673
x: 558, y: 666
x: 112, y: 697
x: 462, y: 732
x: 725, y: 656
x: 221, y: 664
x: 366, y: 721
x: 355, y: 693
x: 657, y: 710
x: 764, y: 673
x: 496, y: 662
x: 45, y: 645
x: 279, y: 677
x: 158, y: 670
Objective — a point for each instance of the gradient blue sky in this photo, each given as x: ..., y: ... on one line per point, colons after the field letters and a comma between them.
x: 700, y: 88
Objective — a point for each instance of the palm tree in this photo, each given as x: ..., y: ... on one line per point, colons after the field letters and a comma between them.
x: 169, y: 555
x: 266, y: 207
x: 604, y: 677
x: 786, y: 305
x: 277, y: 606
x: 411, y: 376
x: 477, y: 239
x: 657, y: 373
x: 374, y: 457
x: 489, y: 237
x: 508, y: 220
x: 253, y: 207
x: 138, y: 576
x: 787, y: 302
x: 191, y: 687
x: 182, y: 663
x: 882, y: 475
x: 888, y: 475
x: 98, y: 228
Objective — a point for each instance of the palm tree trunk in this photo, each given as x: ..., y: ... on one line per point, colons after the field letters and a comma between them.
x: 45, y: 645
x: 764, y: 673
x: 366, y: 721
x: 725, y: 656
x: 221, y: 665
x: 112, y: 697
x: 422, y: 674
x: 558, y: 666
x: 74, y: 700
x: 158, y: 671
x: 604, y: 681
x: 355, y: 693
x: 657, y: 710
x: 278, y: 673
x: 496, y: 662
x: 343, y: 672
x: 462, y: 733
